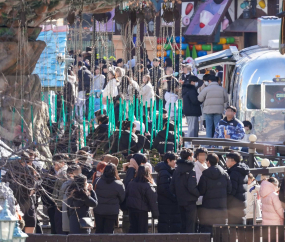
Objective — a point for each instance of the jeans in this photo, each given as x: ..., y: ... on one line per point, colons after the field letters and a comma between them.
x: 212, y: 119
x: 193, y: 126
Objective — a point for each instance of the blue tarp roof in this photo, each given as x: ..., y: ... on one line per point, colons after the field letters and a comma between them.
x: 50, y: 72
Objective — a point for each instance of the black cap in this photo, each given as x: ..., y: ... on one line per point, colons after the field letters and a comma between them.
x: 120, y: 60
x: 193, y: 79
x: 232, y: 108
x: 101, y: 60
x: 156, y: 59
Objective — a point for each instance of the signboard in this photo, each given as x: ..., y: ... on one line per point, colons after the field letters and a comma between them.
x: 269, y: 150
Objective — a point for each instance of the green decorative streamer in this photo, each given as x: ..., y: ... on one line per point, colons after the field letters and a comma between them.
x: 153, y: 125
x: 150, y: 109
x: 129, y: 111
x: 161, y: 116
x: 158, y: 120
x: 137, y: 109
x: 79, y: 133
x: 55, y: 108
x: 141, y: 116
x: 84, y: 123
x: 174, y: 127
x: 89, y: 112
x: 63, y: 112
x: 32, y: 119
x: 107, y: 105
x: 167, y: 129
x: 49, y: 110
x: 146, y: 118
x: 120, y: 120
x: 180, y: 121
x: 130, y: 136
x: 101, y: 104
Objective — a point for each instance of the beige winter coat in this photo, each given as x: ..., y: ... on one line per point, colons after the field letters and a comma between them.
x: 147, y: 93
x: 214, y: 97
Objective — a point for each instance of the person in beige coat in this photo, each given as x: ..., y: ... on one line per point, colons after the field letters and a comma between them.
x: 146, y: 91
x: 214, y: 97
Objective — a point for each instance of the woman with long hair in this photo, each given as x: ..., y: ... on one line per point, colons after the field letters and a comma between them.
x: 111, y: 192
x: 141, y: 198
x: 99, y: 172
x: 120, y: 72
x: 82, y: 197
x: 146, y: 91
x: 111, y: 89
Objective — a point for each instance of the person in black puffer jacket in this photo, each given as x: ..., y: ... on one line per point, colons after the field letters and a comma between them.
x: 159, y: 141
x: 141, y: 198
x: 214, y: 186
x: 111, y: 192
x: 184, y: 186
x: 82, y: 197
x: 169, y: 220
x: 237, y: 199
x: 137, y: 141
x: 98, y: 137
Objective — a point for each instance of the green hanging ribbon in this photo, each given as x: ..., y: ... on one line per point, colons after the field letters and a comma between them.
x: 130, y: 136
x: 146, y: 118
x: 141, y: 116
x: 49, y: 110
x: 55, y: 108
x: 63, y: 112
x: 79, y: 133
x: 174, y: 127
x: 150, y: 109
x: 153, y: 126
x: 161, y: 116
x: 167, y: 129
x: 137, y: 108
x: 129, y: 111
x: 120, y: 120
x: 84, y: 123
x: 89, y: 113
x: 101, y: 104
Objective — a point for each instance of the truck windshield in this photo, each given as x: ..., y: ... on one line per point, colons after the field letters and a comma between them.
x: 275, y: 96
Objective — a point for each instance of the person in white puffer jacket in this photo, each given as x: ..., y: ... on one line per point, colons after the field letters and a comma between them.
x: 111, y: 89
x: 200, y: 166
x: 252, y: 188
x: 146, y: 91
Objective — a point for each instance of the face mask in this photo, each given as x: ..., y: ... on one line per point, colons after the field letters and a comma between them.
x: 196, y: 84
x: 247, y: 131
x: 206, y: 83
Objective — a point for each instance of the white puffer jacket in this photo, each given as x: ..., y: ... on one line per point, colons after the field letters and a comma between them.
x: 252, y: 189
x: 147, y: 93
x: 214, y: 98
x: 171, y: 98
x: 111, y: 89
x: 199, y: 168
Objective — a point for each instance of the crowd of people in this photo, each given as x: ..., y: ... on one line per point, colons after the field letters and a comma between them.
x: 189, y: 194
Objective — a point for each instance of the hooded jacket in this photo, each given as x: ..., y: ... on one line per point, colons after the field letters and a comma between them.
x: 159, y: 142
x: 169, y: 220
x: 110, y: 193
x: 191, y: 104
x: 272, y: 211
x: 141, y: 196
x: 237, y: 199
x: 184, y: 183
x: 215, y: 186
x: 214, y: 98
x: 252, y: 189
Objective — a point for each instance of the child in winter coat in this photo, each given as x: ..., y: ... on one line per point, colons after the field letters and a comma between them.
x: 252, y: 188
x: 272, y: 211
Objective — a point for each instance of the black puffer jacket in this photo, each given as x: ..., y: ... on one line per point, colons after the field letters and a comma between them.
x: 141, y: 196
x: 137, y: 143
x: 98, y: 137
x: 81, y: 202
x: 191, y: 105
x: 159, y: 142
x: 184, y: 183
x: 85, y: 78
x: 110, y: 193
x: 237, y: 199
x: 214, y: 186
x: 169, y: 215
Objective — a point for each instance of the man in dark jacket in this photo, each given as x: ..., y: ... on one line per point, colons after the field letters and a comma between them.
x: 85, y: 78
x: 191, y: 106
x: 156, y: 72
x: 214, y: 186
x: 160, y: 139
x: 184, y: 186
x: 169, y: 215
x: 237, y: 199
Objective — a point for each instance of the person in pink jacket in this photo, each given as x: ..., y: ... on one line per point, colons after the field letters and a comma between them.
x: 272, y: 211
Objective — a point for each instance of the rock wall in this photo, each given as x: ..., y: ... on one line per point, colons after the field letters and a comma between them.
x: 24, y: 94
